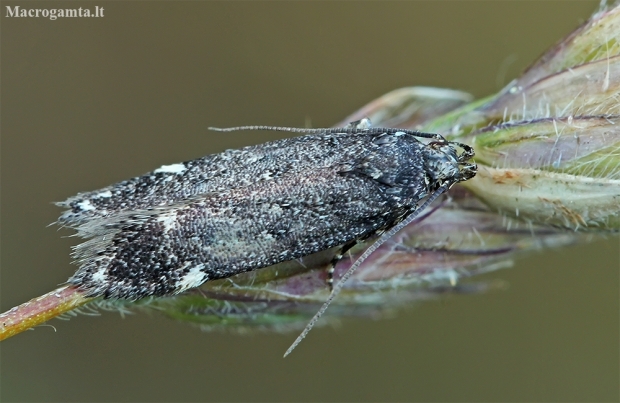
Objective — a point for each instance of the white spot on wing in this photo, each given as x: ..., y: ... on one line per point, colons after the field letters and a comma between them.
x: 99, y: 276
x: 107, y: 193
x: 192, y: 279
x: 168, y: 220
x: 173, y: 169
x: 85, y: 205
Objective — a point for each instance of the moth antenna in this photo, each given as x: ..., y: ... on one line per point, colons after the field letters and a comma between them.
x: 352, y: 128
x: 273, y: 128
x: 382, y: 239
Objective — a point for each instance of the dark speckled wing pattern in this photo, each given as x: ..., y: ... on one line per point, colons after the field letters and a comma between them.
x: 184, y: 224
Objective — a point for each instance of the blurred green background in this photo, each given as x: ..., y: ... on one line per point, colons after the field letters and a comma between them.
x: 88, y: 102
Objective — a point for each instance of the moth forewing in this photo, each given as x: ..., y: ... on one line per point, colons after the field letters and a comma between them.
x: 240, y: 210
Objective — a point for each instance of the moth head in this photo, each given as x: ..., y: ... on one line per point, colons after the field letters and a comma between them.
x: 445, y: 165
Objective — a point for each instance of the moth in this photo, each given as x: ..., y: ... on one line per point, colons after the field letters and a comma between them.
x: 180, y: 225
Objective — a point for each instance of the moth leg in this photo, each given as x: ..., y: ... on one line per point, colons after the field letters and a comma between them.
x: 332, y: 265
